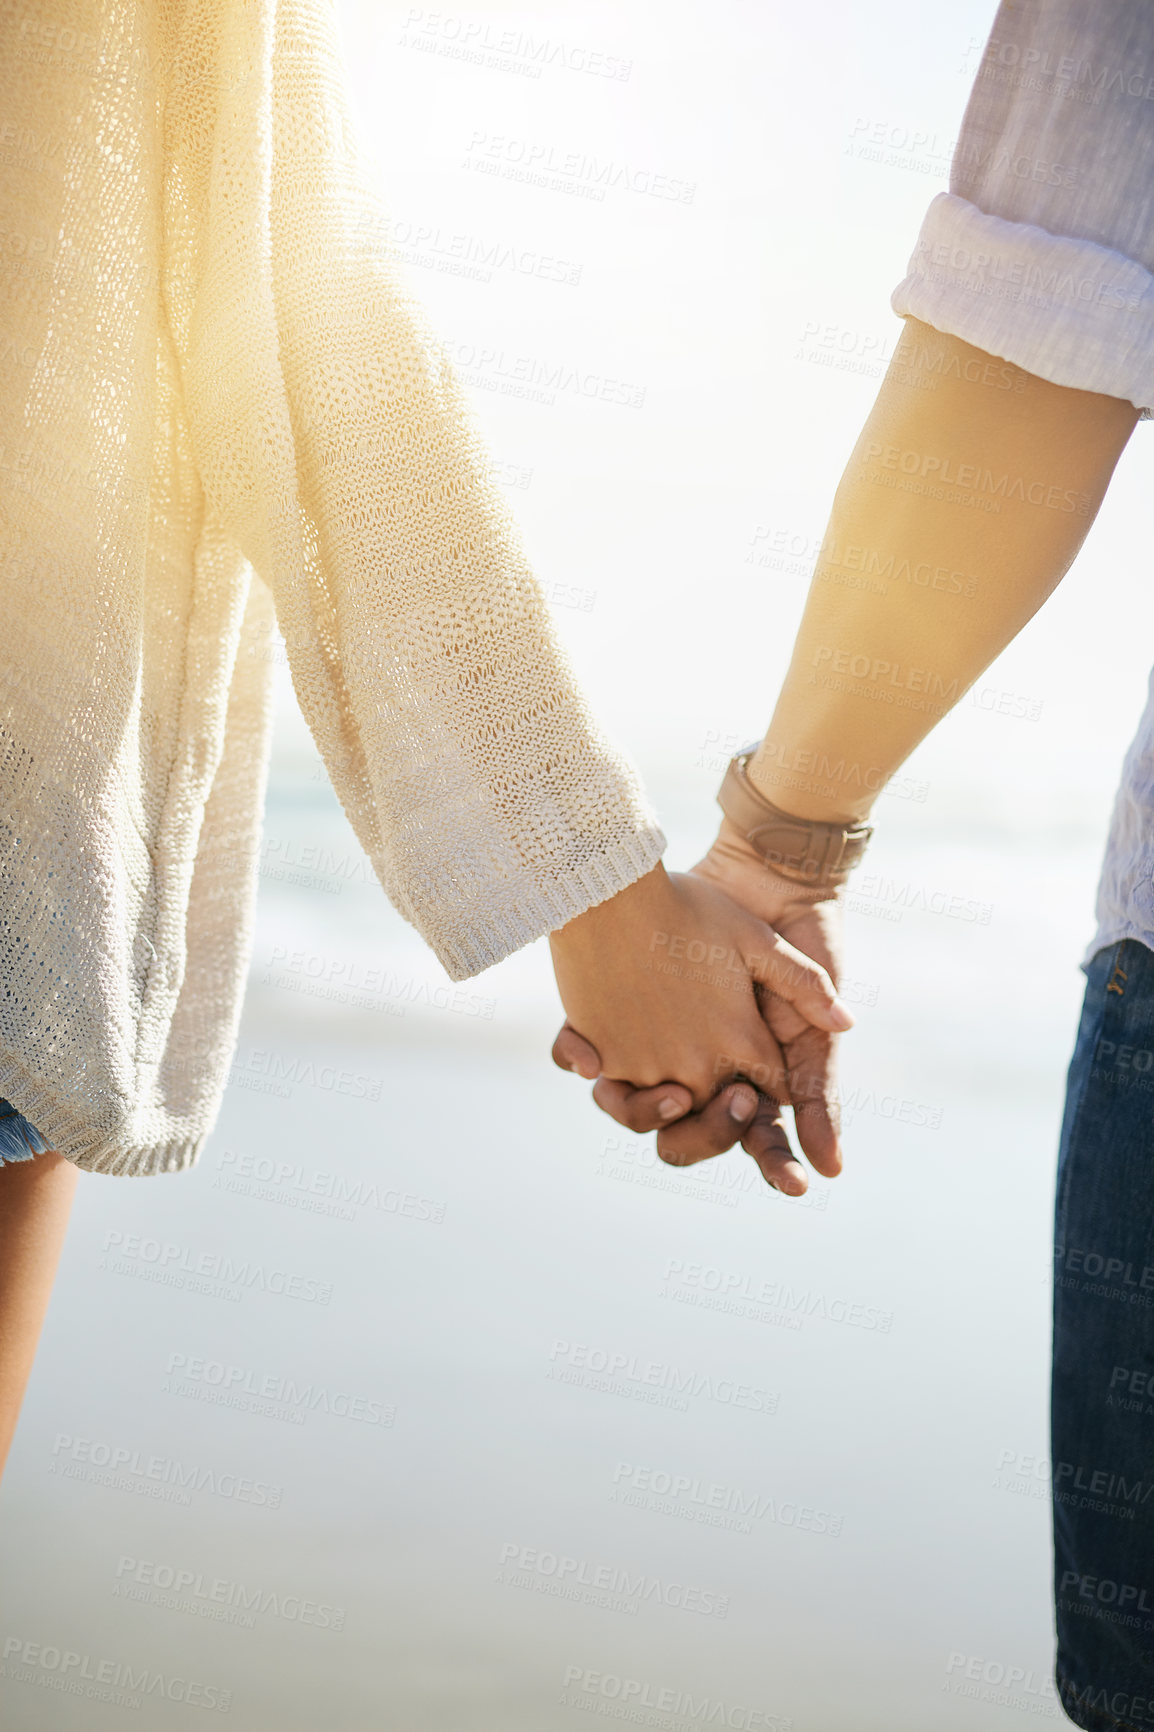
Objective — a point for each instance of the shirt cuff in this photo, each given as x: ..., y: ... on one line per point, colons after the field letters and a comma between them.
x: 1064, y: 309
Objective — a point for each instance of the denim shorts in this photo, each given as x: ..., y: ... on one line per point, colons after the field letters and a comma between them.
x: 19, y: 1140
x: 1103, y: 1386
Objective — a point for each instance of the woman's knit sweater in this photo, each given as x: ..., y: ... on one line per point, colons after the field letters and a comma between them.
x: 220, y: 413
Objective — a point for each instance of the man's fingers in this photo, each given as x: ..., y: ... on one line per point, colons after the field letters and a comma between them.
x: 766, y: 1140
x: 816, y: 1112
x: 813, y: 1092
x: 714, y: 1129
x: 806, y: 985
x: 573, y: 1052
x: 637, y: 1109
x: 815, y: 1125
x: 642, y: 1109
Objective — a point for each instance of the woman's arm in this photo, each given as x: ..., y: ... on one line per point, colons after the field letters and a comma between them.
x: 337, y: 450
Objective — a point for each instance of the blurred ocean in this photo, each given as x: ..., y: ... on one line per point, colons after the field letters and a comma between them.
x: 502, y: 1423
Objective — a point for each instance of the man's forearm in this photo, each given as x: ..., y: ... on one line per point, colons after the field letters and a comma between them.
x: 964, y: 502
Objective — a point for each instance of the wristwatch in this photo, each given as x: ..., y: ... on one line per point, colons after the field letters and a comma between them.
x: 806, y: 849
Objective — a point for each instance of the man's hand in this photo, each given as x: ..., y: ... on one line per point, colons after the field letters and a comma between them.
x: 810, y: 921
x: 664, y: 980
x: 1071, y: 437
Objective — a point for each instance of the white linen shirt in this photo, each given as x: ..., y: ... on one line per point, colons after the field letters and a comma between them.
x: 1042, y: 252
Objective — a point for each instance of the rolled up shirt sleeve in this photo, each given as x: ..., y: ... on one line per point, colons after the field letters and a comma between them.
x: 1042, y: 251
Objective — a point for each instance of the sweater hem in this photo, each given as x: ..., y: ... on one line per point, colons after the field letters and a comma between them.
x: 144, y: 1160
x: 65, y: 1131
x: 475, y: 945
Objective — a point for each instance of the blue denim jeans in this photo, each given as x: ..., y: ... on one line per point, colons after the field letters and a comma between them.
x: 1102, y: 1408
x: 19, y: 1140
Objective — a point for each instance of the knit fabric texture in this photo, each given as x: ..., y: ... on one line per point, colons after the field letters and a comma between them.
x: 221, y: 412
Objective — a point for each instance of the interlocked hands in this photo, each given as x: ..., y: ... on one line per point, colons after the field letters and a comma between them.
x: 704, y: 1004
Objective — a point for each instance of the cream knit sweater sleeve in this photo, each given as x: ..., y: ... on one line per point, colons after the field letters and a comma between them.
x: 208, y: 370
x: 336, y: 446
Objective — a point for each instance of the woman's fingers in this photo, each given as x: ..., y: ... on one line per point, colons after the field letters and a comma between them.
x: 637, y: 1109
x: 573, y: 1052
x: 757, y: 1056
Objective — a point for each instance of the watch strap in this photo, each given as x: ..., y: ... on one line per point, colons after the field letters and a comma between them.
x: 809, y: 850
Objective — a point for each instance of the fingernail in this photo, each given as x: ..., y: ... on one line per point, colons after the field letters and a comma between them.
x: 742, y: 1102
x: 668, y: 1109
x: 840, y: 1014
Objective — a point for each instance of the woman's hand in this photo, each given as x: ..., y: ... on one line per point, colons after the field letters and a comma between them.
x: 809, y: 920
x: 665, y: 983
